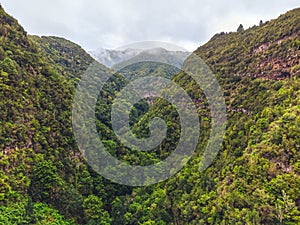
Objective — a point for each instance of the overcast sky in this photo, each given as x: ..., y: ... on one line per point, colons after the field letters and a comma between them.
x: 113, y: 23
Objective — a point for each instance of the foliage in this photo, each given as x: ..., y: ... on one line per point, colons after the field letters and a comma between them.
x: 254, y: 180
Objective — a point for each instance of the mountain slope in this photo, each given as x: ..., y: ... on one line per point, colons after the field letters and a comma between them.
x: 268, y: 51
x: 42, y: 175
x: 254, y: 180
x: 70, y: 59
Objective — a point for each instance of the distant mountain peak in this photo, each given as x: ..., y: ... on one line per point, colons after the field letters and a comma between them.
x: 110, y: 57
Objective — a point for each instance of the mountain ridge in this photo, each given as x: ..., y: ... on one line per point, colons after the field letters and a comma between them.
x: 112, y: 58
x: 255, y: 179
x: 254, y: 52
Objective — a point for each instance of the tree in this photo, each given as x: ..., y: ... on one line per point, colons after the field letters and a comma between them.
x: 45, y: 182
x: 94, y: 211
x: 10, y: 66
x: 43, y: 214
x: 240, y: 28
x: 261, y: 23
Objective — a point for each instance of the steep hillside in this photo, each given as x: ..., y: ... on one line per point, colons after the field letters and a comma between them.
x: 42, y: 175
x: 69, y: 58
x: 269, y: 51
x: 254, y: 179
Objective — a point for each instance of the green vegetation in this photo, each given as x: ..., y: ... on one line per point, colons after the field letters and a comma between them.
x: 254, y: 180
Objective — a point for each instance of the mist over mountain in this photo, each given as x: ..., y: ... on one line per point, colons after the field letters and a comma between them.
x: 111, y: 58
x: 255, y: 178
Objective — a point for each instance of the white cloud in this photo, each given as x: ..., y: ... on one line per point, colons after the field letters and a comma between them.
x: 99, y: 23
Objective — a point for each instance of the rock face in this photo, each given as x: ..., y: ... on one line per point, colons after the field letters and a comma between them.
x: 280, y: 67
x: 269, y: 51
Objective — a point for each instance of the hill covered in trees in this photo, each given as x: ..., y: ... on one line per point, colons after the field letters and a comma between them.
x: 254, y: 179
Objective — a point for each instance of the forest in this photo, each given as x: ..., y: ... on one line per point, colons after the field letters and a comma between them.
x: 255, y: 178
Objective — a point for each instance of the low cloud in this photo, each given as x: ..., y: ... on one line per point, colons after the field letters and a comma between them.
x: 110, y: 24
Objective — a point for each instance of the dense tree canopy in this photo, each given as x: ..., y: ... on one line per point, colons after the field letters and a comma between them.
x: 254, y: 179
